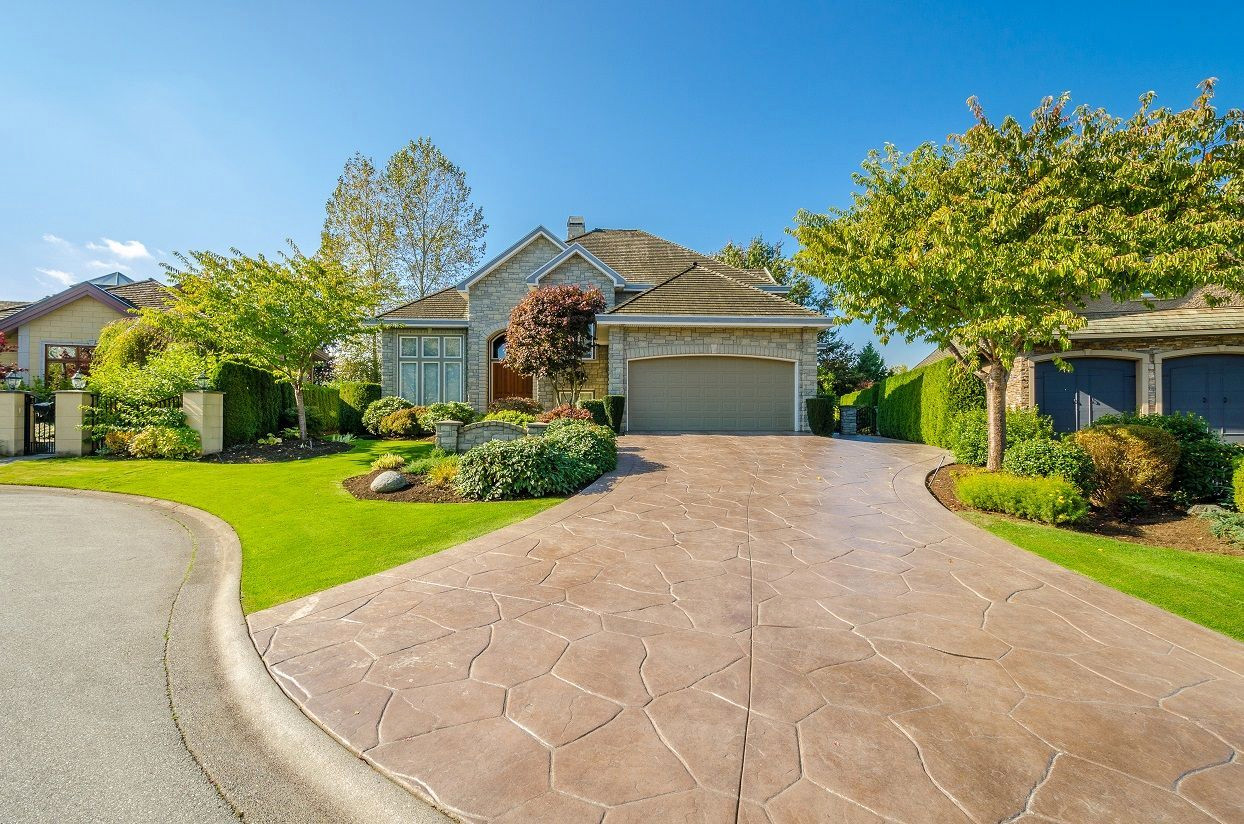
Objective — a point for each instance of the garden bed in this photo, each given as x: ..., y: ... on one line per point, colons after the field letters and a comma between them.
x: 419, y: 491
x: 1161, y: 526
x: 288, y: 450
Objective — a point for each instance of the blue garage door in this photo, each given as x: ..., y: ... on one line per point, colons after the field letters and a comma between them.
x: 1094, y: 387
x: 1212, y: 386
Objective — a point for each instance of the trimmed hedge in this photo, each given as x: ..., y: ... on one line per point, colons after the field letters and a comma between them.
x: 253, y: 402
x: 921, y: 404
x: 1237, y: 482
x: 1049, y: 500
x: 861, y: 397
x: 322, y: 403
x: 821, y: 415
x: 597, y: 408
x: 615, y: 412
x: 1129, y: 460
x: 354, y: 398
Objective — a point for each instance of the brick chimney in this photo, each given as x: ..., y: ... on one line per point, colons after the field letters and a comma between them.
x: 575, y: 226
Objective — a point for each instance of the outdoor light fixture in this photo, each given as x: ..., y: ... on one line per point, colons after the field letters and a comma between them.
x: 78, y: 381
x: 13, y: 380
x: 203, y: 381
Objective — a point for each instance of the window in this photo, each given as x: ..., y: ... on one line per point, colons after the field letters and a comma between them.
x: 430, y: 368
x: 498, y: 348
x: 589, y: 345
x: 564, y: 395
x: 60, y: 363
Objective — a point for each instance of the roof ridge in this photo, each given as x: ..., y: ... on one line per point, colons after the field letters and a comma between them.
x: 653, y: 288
x: 704, y: 256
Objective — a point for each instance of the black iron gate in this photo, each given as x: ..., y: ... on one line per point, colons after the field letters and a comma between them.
x: 40, y: 426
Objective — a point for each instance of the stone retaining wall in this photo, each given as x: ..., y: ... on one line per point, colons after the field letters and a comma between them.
x: 453, y: 436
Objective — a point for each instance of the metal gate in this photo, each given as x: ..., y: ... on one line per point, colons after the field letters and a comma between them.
x: 40, y: 426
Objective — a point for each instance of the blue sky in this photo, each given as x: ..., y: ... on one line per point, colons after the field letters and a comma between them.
x: 136, y: 130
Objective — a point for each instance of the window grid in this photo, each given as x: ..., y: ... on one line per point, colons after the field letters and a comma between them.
x: 430, y: 368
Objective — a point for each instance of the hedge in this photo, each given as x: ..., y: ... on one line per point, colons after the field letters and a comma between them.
x: 354, y: 398
x: 253, y: 402
x: 919, y: 405
x: 821, y: 415
x: 322, y: 403
x: 1049, y: 500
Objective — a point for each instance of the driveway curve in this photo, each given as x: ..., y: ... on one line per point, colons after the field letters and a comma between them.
x: 766, y: 629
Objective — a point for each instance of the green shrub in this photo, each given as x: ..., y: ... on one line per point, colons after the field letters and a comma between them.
x: 166, y: 442
x: 510, y: 416
x: 528, y: 406
x: 1205, y: 460
x: 1046, y: 458
x: 354, y: 398
x: 321, y: 403
x: 252, y: 404
x: 969, y: 433
x: 1048, y: 500
x: 861, y: 397
x: 1129, y: 460
x: 597, y: 408
x: 444, y: 472
x: 523, y: 468
x: 424, y: 465
x: 379, y: 409
x: 404, y: 423
x: 1237, y: 485
x: 593, y: 446
x: 821, y: 415
x: 118, y: 442
x: 565, y: 411
x: 452, y: 411
x: 389, y: 460
x: 1226, y: 525
x: 615, y: 412
x: 921, y: 404
x: 289, y: 420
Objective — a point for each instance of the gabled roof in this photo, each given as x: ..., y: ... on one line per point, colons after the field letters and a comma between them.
x: 447, y: 304
x: 576, y: 250
x: 124, y: 297
x: 9, y: 307
x: 642, y: 257
x: 539, y: 231
x: 700, y: 291
x: 143, y: 294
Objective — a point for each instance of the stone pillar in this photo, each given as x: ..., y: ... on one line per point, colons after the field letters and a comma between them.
x: 848, y: 423
x: 447, y: 435
x: 205, y: 414
x: 12, y: 423
x: 72, y: 409
x: 536, y: 428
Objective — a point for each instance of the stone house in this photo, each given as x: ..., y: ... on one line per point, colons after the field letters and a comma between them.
x: 1155, y: 356
x: 693, y: 344
x: 57, y: 335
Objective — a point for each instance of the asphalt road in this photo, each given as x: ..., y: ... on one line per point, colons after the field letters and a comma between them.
x: 86, y: 728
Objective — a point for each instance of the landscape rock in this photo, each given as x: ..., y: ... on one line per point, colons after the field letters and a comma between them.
x: 389, y: 481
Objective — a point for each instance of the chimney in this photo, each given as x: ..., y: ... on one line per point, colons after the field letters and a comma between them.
x: 575, y: 226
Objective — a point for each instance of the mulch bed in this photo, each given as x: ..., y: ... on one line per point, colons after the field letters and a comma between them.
x: 418, y: 492
x: 289, y: 450
x: 1161, y: 526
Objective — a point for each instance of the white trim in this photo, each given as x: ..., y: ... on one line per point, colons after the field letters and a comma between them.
x: 407, y: 323
x: 794, y: 362
x: 1158, y: 336
x: 1160, y: 358
x: 539, y: 231
x: 574, y: 249
x: 711, y: 320
x: 1142, y: 374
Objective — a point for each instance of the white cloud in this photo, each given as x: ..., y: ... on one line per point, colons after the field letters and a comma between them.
x: 63, y: 278
x: 110, y: 265
x: 130, y: 250
x: 54, y: 240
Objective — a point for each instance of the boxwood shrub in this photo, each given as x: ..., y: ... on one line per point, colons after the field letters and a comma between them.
x: 615, y: 412
x: 1046, y: 458
x: 1048, y: 500
x: 524, y: 468
x: 380, y: 409
x: 821, y: 415
x: 1129, y: 460
x: 354, y: 398
x: 594, y: 447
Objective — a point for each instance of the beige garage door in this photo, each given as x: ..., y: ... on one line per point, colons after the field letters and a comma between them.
x: 711, y: 394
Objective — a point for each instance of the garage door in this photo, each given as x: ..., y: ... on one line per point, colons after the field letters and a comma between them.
x: 710, y: 394
x: 1212, y: 386
x: 1094, y: 387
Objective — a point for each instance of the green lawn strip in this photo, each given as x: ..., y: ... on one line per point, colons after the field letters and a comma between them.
x: 301, y: 531
x: 1202, y: 587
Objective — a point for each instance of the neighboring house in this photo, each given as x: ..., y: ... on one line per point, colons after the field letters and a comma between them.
x: 693, y: 344
x: 57, y: 335
x: 1178, y: 356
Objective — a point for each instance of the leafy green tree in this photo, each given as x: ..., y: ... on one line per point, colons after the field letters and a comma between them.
x: 277, y: 315
x: 870, y: 365
x: 761, y: 255
x: 836, y: 361
x: 989, y: 244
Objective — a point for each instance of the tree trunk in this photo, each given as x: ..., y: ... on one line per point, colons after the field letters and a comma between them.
x: 995, y: 404
x: 302, y: 411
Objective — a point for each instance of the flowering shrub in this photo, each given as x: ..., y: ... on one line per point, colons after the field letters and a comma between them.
x: 566, y: 411
x: 1049, y: 500
x: 528, y: 406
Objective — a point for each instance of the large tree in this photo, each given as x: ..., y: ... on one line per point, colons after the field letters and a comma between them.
x: 761, y: 255
x: 550, y: 333
x: 870, y: 365
x: 990, y: 243
x: 277, y: 315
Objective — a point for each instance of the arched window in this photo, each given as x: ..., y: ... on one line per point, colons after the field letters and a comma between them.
x: 498, y: 347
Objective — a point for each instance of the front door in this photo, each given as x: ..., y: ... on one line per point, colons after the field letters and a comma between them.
x: 503, y: 381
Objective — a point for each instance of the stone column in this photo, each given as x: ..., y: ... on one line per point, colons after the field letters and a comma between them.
x: 205, y: 414
x: 848, y: 423
x: 72, y: 409
x: 536, y: 428
x: 447, y: 435
x: 12, y: 423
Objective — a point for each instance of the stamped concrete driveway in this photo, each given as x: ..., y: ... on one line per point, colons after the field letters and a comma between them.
x: 768, y: 629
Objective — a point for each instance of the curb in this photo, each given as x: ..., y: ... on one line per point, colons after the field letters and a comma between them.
x: 267, y: 759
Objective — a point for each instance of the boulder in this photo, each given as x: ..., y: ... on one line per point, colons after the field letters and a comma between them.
x: 389, y: 481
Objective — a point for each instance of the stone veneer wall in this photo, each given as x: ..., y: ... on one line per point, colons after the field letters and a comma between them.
x: 1020, y: 388
x: 627, y: 342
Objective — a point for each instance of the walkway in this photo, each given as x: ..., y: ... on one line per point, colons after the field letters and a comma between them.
x: 766, y: 629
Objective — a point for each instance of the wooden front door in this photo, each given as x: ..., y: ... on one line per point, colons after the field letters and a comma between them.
x: 503, y: 381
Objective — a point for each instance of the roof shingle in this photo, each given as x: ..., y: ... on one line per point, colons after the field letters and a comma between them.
x: 700, y: 291
x: 143, y: 294
x: 645, y: 258
x: 447, y: 304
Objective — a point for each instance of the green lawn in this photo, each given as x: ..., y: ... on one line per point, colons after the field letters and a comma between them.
x: 301, y: 531
x: 1199, y: 586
